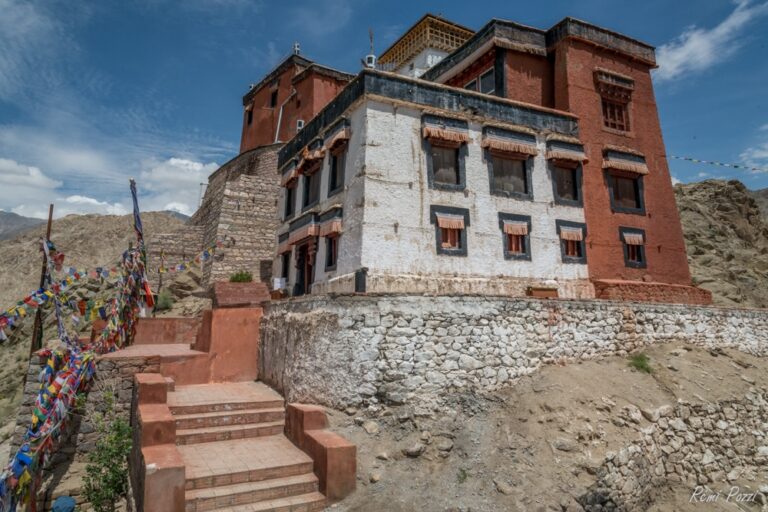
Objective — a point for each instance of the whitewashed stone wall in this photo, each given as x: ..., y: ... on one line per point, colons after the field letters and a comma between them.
x: 358, y: 350
x: 706, y: 447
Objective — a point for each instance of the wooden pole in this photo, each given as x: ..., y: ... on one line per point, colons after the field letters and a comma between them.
x: 37, y: 330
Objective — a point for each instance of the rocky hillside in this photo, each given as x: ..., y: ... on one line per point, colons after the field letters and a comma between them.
x: 12, y: 224
x: 727, y: 239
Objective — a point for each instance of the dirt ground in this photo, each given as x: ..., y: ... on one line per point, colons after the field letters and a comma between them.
x: 497, y: 451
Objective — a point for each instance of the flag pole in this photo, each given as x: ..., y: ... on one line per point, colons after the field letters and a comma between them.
x: 37, y: 330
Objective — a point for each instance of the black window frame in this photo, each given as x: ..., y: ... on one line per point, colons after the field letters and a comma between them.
x: 528, y: 172
x: 290, y: 192
x: 329, y: 240
x: 525, y: 256
x: 625, y: 247
x: 578, y: 170
x: 340, y: 155
x: 285, y: 266
x: 307, y: 178
x: 639, y: 190
x: 461, y: 151
x: 570, y: 224
x: 449, y: 210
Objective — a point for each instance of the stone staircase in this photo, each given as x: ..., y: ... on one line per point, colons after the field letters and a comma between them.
x: 230, y: 437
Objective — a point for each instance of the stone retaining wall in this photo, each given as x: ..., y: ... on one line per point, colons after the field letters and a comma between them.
x: 707, y: 447
x: 358, y: 350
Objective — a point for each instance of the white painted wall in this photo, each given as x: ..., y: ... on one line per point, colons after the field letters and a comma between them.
x: 425, y: 59
x: 397, y: 194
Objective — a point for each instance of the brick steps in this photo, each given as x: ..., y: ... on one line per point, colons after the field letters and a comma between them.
x: 227, y: 432
x: 177, y: 410
x: 312, y: 502
x: 214, y: 498
x: 221, y: 418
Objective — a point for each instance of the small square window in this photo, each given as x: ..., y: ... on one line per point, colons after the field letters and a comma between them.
x: 450, y: 239
x: 515, y: 230
x: 273, y: 99
x: 615, y: 115
x: 633, y: 241
x: 286, y: 265
x: 572, y: 245
x: 336, y: 176
x: 573, y: 249
x: 626, y: 192
x: 311, y: 189
x: 331, y: 252
x: 508, y: 176
x: 566, y: 182
x: 445, y: 164
x: 450, y: 229
x: 488, y: 82
x: 516, y: 244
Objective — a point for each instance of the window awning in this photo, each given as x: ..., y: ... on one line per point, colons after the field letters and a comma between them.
x: 564, y: 154
x: 509, y: 146
x: 574, y: 234
x: 515, y: 228
x: 633, y: 239
x: 303, y: 232
x: 289, y: 176
x: 338, y: 139
x: 625, y: 165
x: 330, y: 227
x: 310, y: 157
x: 445, y: 134
x: 448, y: 221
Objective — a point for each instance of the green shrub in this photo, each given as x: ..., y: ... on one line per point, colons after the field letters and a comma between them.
x: 241, y: 277
x: 640, y: 362
x: 164, y: 301
x: 462, y: 475
x: 106, y: 474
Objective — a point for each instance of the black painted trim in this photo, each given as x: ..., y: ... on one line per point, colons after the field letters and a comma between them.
x: 450, y: 123
x: 330, y: 268
x: 527, y: 195
x: 579, y: 170
x: 342, y: 155
x: 514, y: 136
x: 526, y: 256
x: 567, y: 146
x: 360, y: 280
x: 640, y: 192
x: 449, y: 210
x: 462, y: 151
x: 305, y: 185
x: 333, y: 213
x: 302, y: 221
x: 428, y: 95
x: 500, y: 72
x: 633, y: 264
x: 569, y: 224
x: 288, y: 215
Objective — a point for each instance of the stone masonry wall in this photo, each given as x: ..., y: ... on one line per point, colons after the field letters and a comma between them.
x: 707, y: 447
x: 239, y: 209
x: 178, y: 247
x: 358, y: 350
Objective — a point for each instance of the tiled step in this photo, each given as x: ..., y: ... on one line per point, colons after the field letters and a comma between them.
x: 311, y: 502
x: 220, y: 418
x: 242, y: 460
x: 227, y: 432
x: 199, y: 500
x: 227, y: 406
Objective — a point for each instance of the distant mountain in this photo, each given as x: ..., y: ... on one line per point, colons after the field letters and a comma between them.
x: 12, y: 224
x: 178, y: 215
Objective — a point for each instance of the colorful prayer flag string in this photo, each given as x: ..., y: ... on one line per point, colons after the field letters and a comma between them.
x: 720, y: 164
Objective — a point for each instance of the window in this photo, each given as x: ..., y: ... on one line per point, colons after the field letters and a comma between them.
x: 515, y: 231
x: 509, y: 176
x: 633, y: 241
x: 299, y: 124
x: 336, y: 176
x: 488, y: 82
x: 249, y: 116
x: 286, y: 265
x: 445, y: 164
x: 290, y: 201
x: 566, y: 181
x: 273, y: 99
x: 626, y: 192
x: 311, y: 189
x: 450, y: 229
x: 331, y: 252
x: 472, y: 86
x: 450, y: 239
x: 572, y: 235
x: 616, y: 115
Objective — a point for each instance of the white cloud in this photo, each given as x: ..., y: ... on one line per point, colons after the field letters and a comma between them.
x: 322, y: 17
x: 697, y: 49
x: 675, y: 181
x: 174, y: 184
x: 764, y: 128
x: 756, y: 156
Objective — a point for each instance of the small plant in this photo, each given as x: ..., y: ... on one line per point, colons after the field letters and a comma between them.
x: 462, y: 475
x: 640, y: 362
x: 106, y: 475
x: 241, y: 277
x: 164, y: 301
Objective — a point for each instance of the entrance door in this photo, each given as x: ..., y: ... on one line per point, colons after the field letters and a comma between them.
x: 305, y: 258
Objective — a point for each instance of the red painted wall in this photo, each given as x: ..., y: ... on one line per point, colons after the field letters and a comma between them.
x: 312, y: 92
x: 529, y: 78
x: 575, y: 92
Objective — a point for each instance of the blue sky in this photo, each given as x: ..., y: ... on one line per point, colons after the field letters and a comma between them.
x: 92, y: 93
